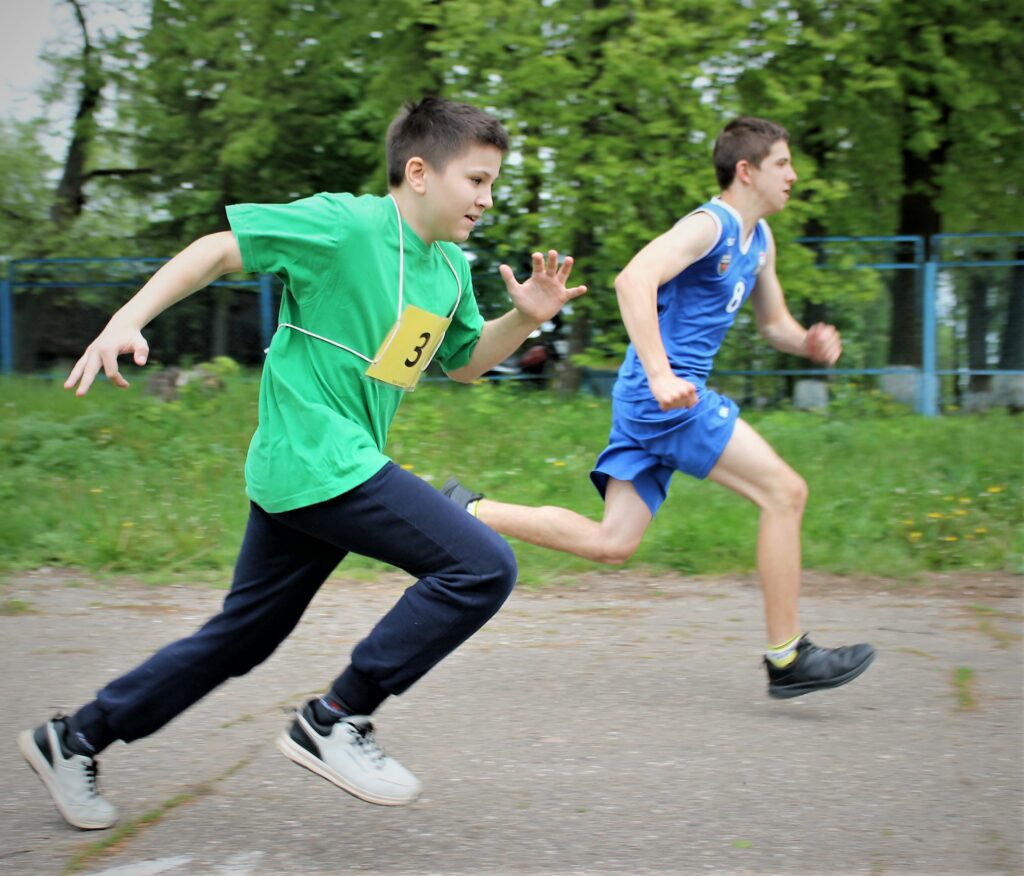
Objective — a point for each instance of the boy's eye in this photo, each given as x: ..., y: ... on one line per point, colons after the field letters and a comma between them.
x: 477, y: 180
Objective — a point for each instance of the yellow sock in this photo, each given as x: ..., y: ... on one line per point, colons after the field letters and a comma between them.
x: 784, y: 654
x: 472, y: 506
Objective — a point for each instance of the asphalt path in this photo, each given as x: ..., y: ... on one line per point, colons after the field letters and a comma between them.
x: 617, y: 726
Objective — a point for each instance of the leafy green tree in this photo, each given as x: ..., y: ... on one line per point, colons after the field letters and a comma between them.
x: 25, y: 190
x: 895, y: 102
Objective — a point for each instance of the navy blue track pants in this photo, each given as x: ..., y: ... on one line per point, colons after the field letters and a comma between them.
x: 464, y: 572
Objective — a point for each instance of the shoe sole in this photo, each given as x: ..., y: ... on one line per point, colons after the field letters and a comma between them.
x: 798, y: 690
x: 41, y: 766
x: 297, y: 754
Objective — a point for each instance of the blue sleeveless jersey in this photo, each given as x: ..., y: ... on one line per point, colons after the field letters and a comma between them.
x: 698, y: 306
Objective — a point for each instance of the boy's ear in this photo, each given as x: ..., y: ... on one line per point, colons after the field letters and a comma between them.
x: 743, y: 168
x: 415, y: 174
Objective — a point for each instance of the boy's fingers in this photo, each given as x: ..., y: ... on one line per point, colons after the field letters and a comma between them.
x: 566, y: 269
x: 76, y: 372
x: 109, y: 358
x: 576, y: 291
x: 507, y: 275
x: 89, y: 370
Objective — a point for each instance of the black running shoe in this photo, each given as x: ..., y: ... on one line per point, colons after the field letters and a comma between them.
x: 459, y: 494
x: 817, y: 669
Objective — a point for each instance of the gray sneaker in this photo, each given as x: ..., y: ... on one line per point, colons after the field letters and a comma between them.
x: 70, y: 778
x: 459, y: 494
x: 346, y: 753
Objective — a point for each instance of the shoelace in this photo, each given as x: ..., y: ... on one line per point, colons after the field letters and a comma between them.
x: 363, y: 736
x: 92, y: 771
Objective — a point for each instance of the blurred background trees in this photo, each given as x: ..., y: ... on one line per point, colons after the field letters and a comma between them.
x: 905, y: 118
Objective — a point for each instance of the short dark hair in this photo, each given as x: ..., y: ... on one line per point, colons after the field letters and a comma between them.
x: 744, y: 139
x: 437, y: 130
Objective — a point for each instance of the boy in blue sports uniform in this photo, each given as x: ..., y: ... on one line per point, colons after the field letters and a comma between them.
x: 679, y: 296
x: 374, y: 287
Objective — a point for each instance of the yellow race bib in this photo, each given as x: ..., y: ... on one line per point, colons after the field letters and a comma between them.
x: 408, y: 348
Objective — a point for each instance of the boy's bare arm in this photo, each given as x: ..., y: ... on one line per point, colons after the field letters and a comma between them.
x: 536, y: 301
x: 820, y: 343
x: 637, y: 288
x: 194, y: 268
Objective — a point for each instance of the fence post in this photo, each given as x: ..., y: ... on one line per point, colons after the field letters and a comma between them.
x: 266, y: 310
x: 928, y: 403
x: 7, y: 322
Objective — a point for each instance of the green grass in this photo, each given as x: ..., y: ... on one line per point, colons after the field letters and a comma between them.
x: 119, y: 482
x: 963, y: 685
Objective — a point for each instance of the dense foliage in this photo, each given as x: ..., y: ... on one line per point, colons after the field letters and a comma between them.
x: 899, y: 125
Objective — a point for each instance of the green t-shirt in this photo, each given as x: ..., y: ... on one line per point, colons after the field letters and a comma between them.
x: 322, y: 424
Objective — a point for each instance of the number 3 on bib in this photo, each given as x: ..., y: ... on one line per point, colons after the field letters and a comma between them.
x: 737, y: 297
x: 408, y: 348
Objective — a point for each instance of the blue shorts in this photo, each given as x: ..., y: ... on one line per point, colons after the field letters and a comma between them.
x: 648, y: 445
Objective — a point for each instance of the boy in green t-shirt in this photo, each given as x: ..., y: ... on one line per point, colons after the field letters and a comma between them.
x: 374, y: 288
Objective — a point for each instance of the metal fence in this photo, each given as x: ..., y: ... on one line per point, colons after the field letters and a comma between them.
x: 968, y: 295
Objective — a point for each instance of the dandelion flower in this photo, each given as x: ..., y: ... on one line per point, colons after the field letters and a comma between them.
x: 994, y: 489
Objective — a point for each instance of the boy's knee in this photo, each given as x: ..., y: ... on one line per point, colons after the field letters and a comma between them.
x: 616, y: 552
x: 495, y: 575
x: 790, y: 491
x: 798, y: 492
x: 506, y: 570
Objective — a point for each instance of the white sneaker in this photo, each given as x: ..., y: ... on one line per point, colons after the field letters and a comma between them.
x: 70, y: 778
x: 347, y: 754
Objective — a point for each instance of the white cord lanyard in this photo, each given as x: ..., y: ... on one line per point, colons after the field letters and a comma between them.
x: 401, y: 296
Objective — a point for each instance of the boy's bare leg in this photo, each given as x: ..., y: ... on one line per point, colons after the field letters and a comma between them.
x: 612, y: 540
x: 749, y: 466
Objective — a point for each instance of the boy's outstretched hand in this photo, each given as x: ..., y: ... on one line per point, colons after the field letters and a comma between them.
x: 112, y: 342
x: 545, y: 293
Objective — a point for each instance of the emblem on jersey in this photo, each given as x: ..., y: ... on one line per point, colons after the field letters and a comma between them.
x: 762, y: 260
x: 724, y: 262
x: 730, y: 241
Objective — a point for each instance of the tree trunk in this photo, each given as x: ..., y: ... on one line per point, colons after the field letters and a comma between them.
x: 1011, y: 344
x: 918, y: 216
x: 69, y: 197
